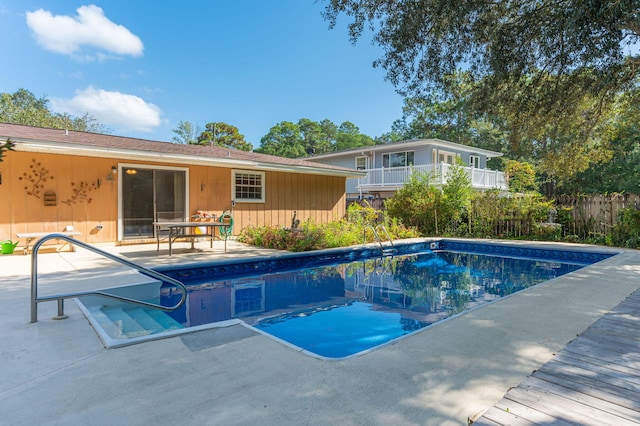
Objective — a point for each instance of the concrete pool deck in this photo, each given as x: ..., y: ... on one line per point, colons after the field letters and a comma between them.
x: 56, y: 372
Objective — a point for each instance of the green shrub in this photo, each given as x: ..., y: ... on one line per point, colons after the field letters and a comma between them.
x: 626, y: 231
x: 417, y: 204
x: 354, y: 229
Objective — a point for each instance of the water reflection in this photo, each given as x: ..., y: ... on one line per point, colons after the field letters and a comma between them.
x: 422, y: 289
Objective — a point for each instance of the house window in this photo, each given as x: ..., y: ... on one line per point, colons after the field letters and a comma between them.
x: 446, y: 157
x: 248, y: 186
x: 362, y: 163
x: 398, y: 159
x: 474, y: 161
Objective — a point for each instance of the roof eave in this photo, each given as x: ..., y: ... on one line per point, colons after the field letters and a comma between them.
x: 409, y: 143
x: 28, y: 145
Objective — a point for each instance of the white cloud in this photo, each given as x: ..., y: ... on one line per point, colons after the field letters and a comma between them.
x: 89, y: 29
x: 122, y: 111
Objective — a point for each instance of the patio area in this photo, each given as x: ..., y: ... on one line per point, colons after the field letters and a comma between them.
x: 57, y: 372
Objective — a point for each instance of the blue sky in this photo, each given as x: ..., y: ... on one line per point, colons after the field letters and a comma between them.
x: 141, y: 67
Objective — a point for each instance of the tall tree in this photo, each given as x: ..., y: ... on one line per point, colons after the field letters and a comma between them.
x: 285, y: 140
x: 620, y: 174
x: 319, y: 137
x: 349, y: 136
x: 443, y: 114
x: 537, y: 60
x: 185, y: 133
x: 451, y: 114
x: 23, y: 107
x: 223, y: 135
x: 425, y: 40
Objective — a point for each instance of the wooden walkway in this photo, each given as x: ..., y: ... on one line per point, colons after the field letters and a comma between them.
x: 595, y: 380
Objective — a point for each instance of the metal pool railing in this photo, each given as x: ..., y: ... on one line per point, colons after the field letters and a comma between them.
x: 60, y: 297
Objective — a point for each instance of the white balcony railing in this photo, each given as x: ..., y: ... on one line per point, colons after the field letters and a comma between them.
x: 396, y: 177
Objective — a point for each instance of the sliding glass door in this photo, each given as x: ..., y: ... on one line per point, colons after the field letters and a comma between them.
x: 148, y: 193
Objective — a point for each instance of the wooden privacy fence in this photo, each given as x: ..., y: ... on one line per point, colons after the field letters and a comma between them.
x: 592, y: 213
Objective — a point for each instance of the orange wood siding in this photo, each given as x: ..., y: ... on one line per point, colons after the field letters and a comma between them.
x: 315, y: 197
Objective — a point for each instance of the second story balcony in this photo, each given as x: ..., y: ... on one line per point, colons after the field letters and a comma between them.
x: 393, y: 178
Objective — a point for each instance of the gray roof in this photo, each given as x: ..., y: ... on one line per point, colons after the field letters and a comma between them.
x: 408, y: 144
x: 69, y: 142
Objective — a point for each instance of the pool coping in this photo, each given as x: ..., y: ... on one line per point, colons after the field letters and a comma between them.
x: 361, y: 252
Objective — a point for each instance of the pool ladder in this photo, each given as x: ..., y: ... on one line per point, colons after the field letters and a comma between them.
x: 35, y: 299
x: 389, y: 250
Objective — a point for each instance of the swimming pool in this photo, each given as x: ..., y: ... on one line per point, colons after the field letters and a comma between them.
x: 337, y: 303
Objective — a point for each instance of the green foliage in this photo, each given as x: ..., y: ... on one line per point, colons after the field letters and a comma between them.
x: 488, y: 214
x: 425, y: 41
x: 541, y: 78
x: 619, y: 174
x: 297, y: 140
x: 417, y: 204
x: 626, y: 231
x: 223, y: 135
x: 521, y: 176
x: 349, y: 136
x: 285, y: 140
x: 185, y: 133
x: 496, y: 215
x: 311, y: 236
x: 433, y: 211
x: 22, y: 107
x: 7, y: 145
x: 457, y: 194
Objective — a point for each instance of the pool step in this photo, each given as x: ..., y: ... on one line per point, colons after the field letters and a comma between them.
x: 123, y: 322
x: 164, y: 320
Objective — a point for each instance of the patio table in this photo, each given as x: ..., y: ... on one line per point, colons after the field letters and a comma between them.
x: 188, y: 230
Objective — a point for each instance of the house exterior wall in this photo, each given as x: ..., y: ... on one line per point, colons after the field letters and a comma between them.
x: 423, y: 155
x: 316, y: 197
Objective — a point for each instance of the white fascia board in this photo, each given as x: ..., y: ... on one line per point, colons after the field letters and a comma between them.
x: 125, y: 154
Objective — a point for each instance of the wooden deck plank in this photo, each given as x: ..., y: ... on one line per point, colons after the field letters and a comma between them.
x: 500, y: 416
x: 614, y: 328
x: 587, y: 348
x: 621, y: 341
x: 632, y: 371
x: 598, y: 366
x: 588, y: 377
x: 488, y: 421
x: 594, y: 380
x: 563, y: 408
x: 616, y: 350
x: 586, y: 396
x: 526, y: 414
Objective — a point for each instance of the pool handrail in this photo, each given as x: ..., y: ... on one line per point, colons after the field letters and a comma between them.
x: 383, y: 250
x: 60, y: 297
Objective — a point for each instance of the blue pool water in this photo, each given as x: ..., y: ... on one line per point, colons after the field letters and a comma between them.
x: 337, y: 307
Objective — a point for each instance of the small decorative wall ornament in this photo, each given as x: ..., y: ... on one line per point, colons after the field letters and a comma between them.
x: 36, y: 178
x: 50, y: 199
x: 81, y: 192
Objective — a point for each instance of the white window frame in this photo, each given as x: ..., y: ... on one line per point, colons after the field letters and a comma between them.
x: 445, y: 156
x: 364, y: 166
x: 406, y: 155
x: 234, y: 187
x: 474, y: 161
